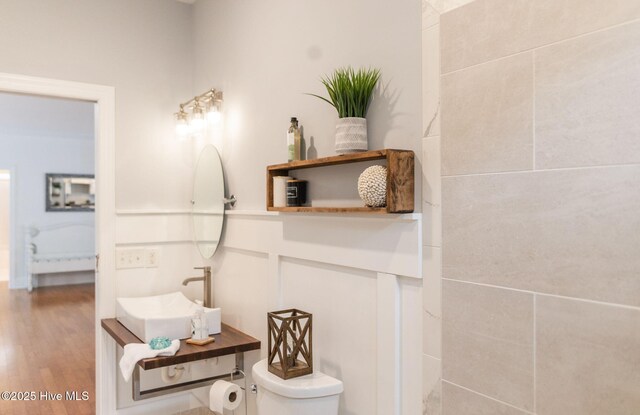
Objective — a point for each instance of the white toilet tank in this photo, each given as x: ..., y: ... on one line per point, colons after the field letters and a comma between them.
x: 315, y: 394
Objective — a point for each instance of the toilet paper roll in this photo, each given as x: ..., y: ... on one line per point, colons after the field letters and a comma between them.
x: 280, y: 191
x: 224, y: 395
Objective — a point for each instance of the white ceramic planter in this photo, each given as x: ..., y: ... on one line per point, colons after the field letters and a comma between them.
x: 351, y: 135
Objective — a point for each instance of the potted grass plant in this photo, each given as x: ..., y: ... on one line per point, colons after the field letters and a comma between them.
x: 350, y: 93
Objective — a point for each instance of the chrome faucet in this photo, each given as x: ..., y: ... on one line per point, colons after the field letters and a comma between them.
x: 207, y: 284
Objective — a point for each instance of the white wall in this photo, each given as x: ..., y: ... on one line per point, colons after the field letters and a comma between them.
x: 265, y: 56
x: 31, y: 157
x: 143, y: 49
x: 4, y: 227
x: 272, y: 262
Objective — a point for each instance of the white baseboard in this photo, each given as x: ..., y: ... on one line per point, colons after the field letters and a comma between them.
x: 65, y: 278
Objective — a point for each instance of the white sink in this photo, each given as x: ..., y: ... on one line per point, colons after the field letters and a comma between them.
x: 162, y: 315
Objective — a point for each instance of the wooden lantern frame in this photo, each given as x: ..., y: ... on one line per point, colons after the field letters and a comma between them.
x: 294, y: 325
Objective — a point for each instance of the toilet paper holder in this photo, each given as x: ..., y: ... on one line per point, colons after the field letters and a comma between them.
x: 228, y: 393
x: 236, y: 374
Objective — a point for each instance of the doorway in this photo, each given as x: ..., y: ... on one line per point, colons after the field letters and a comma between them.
x: 104, y: 99
x: 5, y: 220
x: 50, y: 144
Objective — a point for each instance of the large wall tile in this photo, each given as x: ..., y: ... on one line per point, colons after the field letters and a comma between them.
x: 430, y: 16
x: 432, y: 301
x: 460, y: 401
x: 445, y: 5
x: 432, y: 376
x: 431, y: 81
x: 431, y: 192
x: 587, y: 100
x: 487, y: 341
x: 487, y: 117
x: 588, y: 358
x: 488, y: 29
x: 483, y: 30
x: 568, y: 232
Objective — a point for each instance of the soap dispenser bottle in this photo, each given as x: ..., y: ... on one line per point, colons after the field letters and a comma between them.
x: 293, y: 141
x: 199, y: 326
x: 204, y: 324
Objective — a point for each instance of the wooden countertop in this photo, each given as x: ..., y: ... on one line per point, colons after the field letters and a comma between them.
x: 230, y: 341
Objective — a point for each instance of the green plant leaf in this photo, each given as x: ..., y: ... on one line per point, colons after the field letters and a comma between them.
x: 350, y: 91
x: 322, y: 98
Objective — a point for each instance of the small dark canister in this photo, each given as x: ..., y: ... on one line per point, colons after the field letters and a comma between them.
x: 296, y: 192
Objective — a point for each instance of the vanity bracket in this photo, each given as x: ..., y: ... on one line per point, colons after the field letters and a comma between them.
x: 229, y: 342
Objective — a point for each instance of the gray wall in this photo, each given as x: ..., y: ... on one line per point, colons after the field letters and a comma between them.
x: 266, y: 55
x: 540, y: 153
x: 143, y: 49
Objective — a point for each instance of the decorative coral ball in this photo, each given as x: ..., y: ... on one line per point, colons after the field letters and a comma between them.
x: 372, y: 186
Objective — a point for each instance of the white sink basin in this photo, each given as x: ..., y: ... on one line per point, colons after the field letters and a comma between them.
x: 162, y: 315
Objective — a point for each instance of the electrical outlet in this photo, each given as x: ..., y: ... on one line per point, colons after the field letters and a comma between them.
x: 152, y: 257
x: 137, y: 258
x: 130, y: 258
x: 121, y: 258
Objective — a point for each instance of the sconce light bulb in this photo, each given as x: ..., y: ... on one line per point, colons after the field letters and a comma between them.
x: 195, y: 115
x: 182, y: 127
x: 197, y: 122
x: 214, y: 116
x: 197, y: 118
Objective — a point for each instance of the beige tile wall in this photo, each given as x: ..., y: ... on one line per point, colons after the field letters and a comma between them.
x: 588, y: 359
x: 489, y: 111
x: 572, y: 232
x: 485, y: 30
x: 462, y: 401
x: 431, y: 206
x: 587, y: 100
x: 487, y: 334
x: 532, y: 223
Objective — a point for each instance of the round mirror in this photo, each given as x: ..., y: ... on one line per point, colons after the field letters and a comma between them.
x: 208, y: 201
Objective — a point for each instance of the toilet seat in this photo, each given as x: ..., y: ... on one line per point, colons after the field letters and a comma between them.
x: 314, y: 385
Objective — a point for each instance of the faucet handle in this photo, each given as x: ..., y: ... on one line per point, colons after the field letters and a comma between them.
x: 207, y: 268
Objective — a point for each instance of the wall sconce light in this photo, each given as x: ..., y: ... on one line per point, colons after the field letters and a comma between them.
x: 194, y: 115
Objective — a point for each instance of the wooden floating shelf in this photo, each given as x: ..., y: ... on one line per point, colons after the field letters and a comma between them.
x: 311, y: 209
x: 400, y: 181
x: 229, y: 341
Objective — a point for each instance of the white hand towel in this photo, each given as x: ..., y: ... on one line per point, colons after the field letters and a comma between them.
x: 134, y: 352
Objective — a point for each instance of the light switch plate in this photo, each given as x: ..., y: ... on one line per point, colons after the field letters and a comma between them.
x: 152, y: 257
x: 130, y: 258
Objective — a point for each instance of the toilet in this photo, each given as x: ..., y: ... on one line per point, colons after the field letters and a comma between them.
x: 314, y: 394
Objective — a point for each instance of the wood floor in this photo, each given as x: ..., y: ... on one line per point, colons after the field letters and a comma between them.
x: 47, y: 344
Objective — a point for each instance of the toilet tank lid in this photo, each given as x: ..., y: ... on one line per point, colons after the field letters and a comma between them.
x: 314, y: 385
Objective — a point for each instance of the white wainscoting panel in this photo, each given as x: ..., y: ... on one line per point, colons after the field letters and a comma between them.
x: 361, y: 274
x: 358, y: 275
x: 411, y: 345
x: 343, y: 304
x: 388, y: 344
x: 153, y: 227
x: 376, y: 244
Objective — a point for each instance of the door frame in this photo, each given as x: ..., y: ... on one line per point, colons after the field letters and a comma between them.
x: 13, y: 212
x: 105, y: 287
